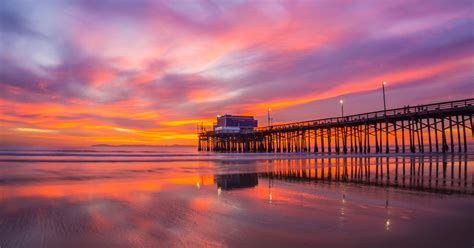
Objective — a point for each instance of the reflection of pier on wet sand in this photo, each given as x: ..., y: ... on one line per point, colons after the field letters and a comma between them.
x: 444, y: 174
x: 236, y: 181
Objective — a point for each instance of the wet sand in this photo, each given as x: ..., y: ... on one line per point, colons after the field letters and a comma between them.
x: 343, y: 202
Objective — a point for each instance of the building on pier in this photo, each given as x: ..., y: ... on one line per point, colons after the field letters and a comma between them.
x: 235, y: 124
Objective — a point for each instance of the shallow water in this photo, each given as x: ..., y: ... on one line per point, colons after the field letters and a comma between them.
x: 180, y: 199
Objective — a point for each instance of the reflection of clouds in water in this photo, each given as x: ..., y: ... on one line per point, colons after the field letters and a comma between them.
x: 108, y: 221
x: 342, y: 212
x: 168, y: 210
x: 58, y: 221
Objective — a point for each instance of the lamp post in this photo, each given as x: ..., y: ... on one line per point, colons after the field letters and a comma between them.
x: 269, y: 121
x: 386, y: 121
x: 384, y: 104
x: 342, y: 107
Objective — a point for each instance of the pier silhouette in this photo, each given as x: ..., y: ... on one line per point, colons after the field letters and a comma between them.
x: 438, y: 127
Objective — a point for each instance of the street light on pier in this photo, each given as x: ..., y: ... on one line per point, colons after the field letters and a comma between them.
x: 385, y: 115
x: 342, y: 107
x: 269, y: 119
x: 384, y: 104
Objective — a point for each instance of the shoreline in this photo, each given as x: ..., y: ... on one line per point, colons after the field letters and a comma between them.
x: 224, y: 157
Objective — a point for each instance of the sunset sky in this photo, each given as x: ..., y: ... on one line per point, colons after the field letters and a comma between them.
x: 79, y: 72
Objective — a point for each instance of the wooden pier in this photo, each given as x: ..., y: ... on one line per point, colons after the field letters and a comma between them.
x: 439, y: 127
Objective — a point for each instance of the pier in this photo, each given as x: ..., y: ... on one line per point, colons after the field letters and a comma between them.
x: 431, y: 128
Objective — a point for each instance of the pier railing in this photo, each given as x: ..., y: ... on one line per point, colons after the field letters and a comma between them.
x: 376, y: 115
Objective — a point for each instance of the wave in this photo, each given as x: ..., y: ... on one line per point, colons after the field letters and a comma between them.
x: 227, y: 158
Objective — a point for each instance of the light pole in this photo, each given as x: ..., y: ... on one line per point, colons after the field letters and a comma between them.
x: 269, y: 122
x: 386, y: 121
x: 384, y: 104
x: 342, y: 107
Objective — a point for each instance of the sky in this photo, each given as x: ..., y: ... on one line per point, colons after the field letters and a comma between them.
x: 83, y: 72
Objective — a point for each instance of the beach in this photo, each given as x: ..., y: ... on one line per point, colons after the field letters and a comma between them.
x: 147, y: 199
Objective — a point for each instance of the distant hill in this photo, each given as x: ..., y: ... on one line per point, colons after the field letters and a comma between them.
x: 173, y: 145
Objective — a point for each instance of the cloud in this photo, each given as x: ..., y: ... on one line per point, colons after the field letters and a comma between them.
x: 35, y: 130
